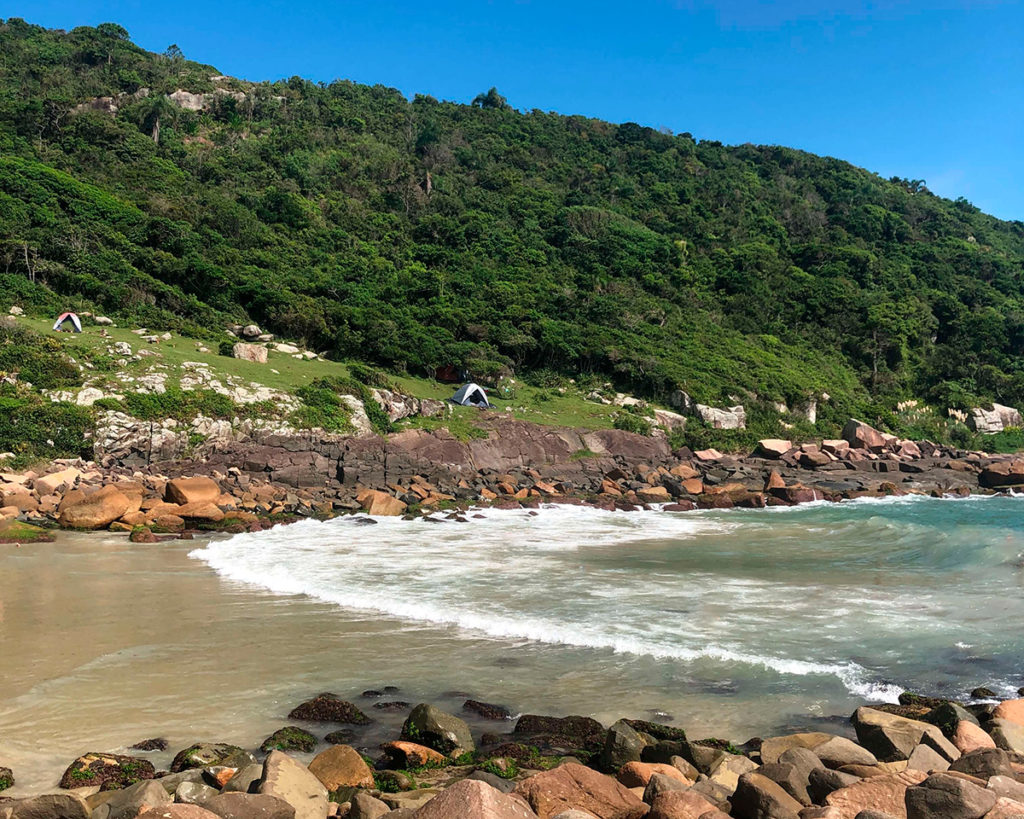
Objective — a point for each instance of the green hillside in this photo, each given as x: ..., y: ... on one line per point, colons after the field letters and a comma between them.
x: 414, y: 234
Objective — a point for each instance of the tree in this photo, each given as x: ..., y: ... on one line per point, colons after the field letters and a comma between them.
x: 491, y: 99
x: 153, y: 110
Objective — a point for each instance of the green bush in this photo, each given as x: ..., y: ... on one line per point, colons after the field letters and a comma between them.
x: 182, y: 405
x: 35, y: 427
x: 38, y: 359
x: 371, y: 377
x: 322, y: 408
x: 630, y: 422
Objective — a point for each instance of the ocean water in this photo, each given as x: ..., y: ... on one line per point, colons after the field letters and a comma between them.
x: 729, y: 624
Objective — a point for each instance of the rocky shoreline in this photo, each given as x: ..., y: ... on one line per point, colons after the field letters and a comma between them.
x: 922, y: 759
x: 250, y: 484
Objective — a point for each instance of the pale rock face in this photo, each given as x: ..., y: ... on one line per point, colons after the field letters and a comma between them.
x: 16, y: 311
x: 250, y: 352
x: 989, y: 422
x: 359, y: 418
x: 669, y: 420
x: 730, y: 418
x: 187, y: 100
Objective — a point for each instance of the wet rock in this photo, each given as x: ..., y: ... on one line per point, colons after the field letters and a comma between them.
x: 983, y: 763
x: 487, y: 710
x: 245, y: 780
x: 94, y: 511
x: 343, y: 736
x: 411, y: 755
x: 290, y: 738
x: 571, y: 732
x: 6, y: 778
x: 891, y: 738
x: 184, y: 491
x: 155, y: 744
x: 982, y: 693
x: 392, y: 705
x: 205, y: 754
x: 109, y: 771
x: 574, y: 786
x: 474, y: 798
x: 329, y: 707
x: 293, y: 783
x: 436, y: 729
x: 194, y: 793
x: 622, y: 744
x: 249, y: 806
x: 943, y: 796
x: 341, y: 766
x: 758, y: 797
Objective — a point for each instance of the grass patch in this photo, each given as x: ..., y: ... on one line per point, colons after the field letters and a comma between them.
x: 15, y: 531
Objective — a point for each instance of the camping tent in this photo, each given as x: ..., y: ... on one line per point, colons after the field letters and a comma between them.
x: 471, y: 395
x: 76, y: 322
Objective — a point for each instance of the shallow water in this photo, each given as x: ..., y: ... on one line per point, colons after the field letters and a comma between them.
x: 734, y: 623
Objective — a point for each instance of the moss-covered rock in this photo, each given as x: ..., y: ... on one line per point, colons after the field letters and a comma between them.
x: 289, y: 738
x: 329, y: 707
x: 6, y: 778
x: 205, y: 754
x: 108, y: 771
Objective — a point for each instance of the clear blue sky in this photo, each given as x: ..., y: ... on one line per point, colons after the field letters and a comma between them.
x: 925, y: 90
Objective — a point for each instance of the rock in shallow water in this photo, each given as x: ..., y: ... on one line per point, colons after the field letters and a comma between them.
x: 205, y: 754
x: 329, y: 707
x: 289, y: 738
x: 436, y: 729
x: 109, y: 771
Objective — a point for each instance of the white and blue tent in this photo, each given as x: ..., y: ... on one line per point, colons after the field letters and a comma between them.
x: 471, y: 395
x: 75, y: 321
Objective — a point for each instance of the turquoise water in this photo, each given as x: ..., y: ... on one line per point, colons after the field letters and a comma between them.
x: 857, y: 600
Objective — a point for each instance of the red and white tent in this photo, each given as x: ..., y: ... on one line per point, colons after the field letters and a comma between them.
x: 76, y: 322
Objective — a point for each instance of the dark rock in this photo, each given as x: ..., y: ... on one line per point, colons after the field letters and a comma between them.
x: 392, y: 705
x: 821, y: 782
x: 487, y: 710
x: 570, y: 733
x: 205, y: 754
x: 944, y: 796
x: 329, y: 707
x: 343, y: 736
x: 496, y: 782
x: 622, y: 744
x: 128, y: 803
x: 657, y: 730
x: 290, y: 738
x: 758, y: 797
x: 983, y: 763
x: 947, y: 715
x: 983, y: 693
x: 789, y: 778
x: 6, y: 778
x: 156, y: 744
x: 662, y: 751
x: 49, y: 806
x: 109, y: 771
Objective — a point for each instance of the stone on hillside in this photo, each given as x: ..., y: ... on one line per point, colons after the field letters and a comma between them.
x: 49, y: 806
x: 411, y: 755
x: 471, y: 797
x: 443, y: 732
x: 329, y: 707
x: 622, y: 744
x: 251, y: 331
x: 49, y: 484
x: 256, y: 353
x: 341, y: 766
x: 758, y: 797
x: 772, y: 448
x: 95, y: 511
x: 249, y: 806
x: 989, y: 422
x: 109, y: 771
x: 943, y: 796
x: 290, y: 738
x: 207, y: 754
x: 375, y: 502
x: 669, y: 420
x: 183, y: 491
x: 292, y: 782
x: 886, y: 794
x: 16, y: 311
x: 717, y: 418
x: 104, y: 321
x: 863, y: 436
x: 574, y: 786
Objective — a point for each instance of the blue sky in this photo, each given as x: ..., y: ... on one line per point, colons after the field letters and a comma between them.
x: 924, y: 90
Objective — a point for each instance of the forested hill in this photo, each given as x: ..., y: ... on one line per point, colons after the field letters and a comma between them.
x: 420, y: 233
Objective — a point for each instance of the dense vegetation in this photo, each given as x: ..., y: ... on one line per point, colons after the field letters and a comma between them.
x: 415, y: 234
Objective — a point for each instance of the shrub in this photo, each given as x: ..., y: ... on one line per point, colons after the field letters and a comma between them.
x: 632, y: 423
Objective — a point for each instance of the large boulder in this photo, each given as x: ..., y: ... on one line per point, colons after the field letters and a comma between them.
x: 967, y: 737
x: 574, y: 786
x: 49, y: 484
x: 984, y: 763
x: 638, y: 774
x: 991, y: 421
x: 109, y: 771
x: 863, y: 436
x: 341, y: 766
x: 622, y: 744
x: 680, y: 805
x: 1007, y: 735
x: 95, y: 511
x: 774, y: 747
x: 944, y: 796
x: 133, y: 800
x: 234, y: 805
x: 329, y: 707
x: 884, y: 794
x: 50, y: 806
x: 289, y: 738
x: 717, y: 418
x: 1012, y: 710
x: 1002, y: 475
x: 892, y: 738
x: 758, y: 797
x: 772, y: 448
x: 375, y: 502
x: 256, y: 353
x: 839, y: 751
x: 471, y: 797
x: 198, y: 490
x: 293, y: 783
x: 443, y: 732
